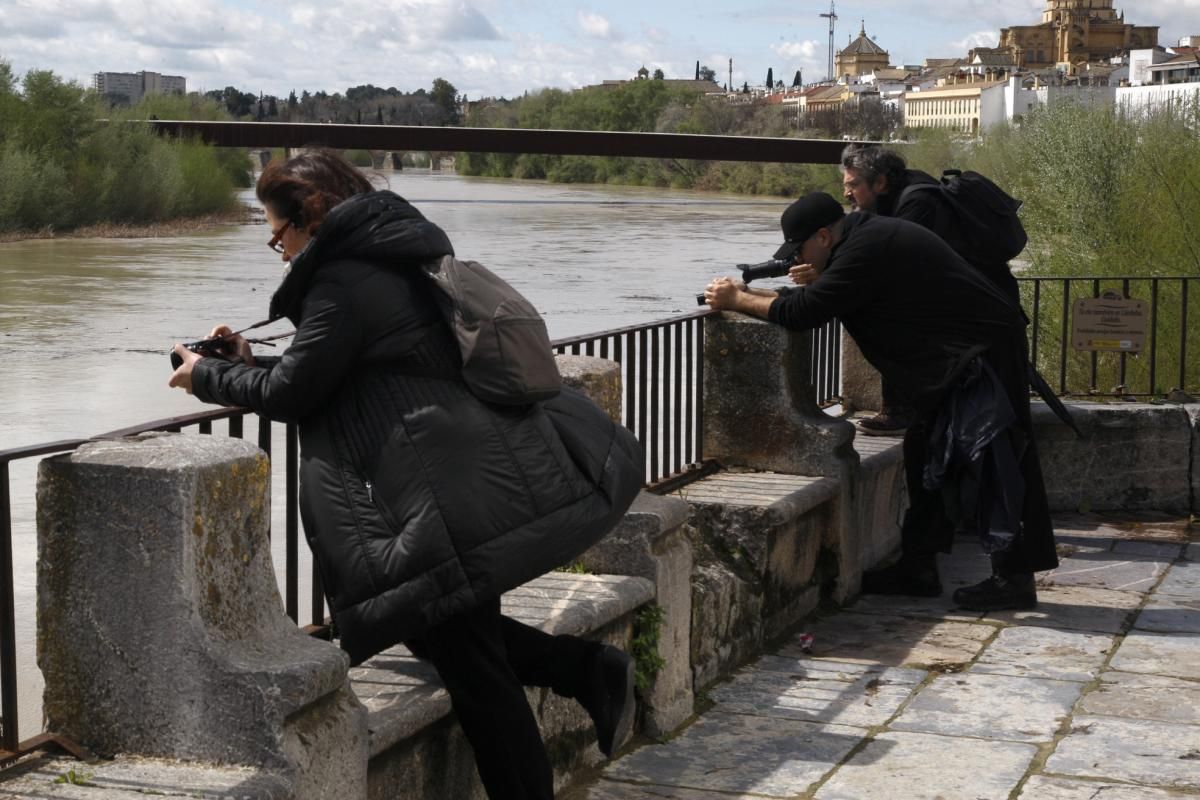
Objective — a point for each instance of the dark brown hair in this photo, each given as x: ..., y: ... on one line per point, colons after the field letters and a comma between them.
x: 306, y: 187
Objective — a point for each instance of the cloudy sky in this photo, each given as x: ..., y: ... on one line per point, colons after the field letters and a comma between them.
x: 496, y: 47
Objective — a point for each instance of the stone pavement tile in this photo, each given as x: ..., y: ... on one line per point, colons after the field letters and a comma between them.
x: 895, y: 641
x: 1164, y: 551
x: 990, y: 707
x: 615, y: 790
x: 928, y: 607
x: 818, y: 691
x: 1159, y: 654
x: 1106, y: 571
x: 1045, y: 653
x: 1079, y: 608
x: 919, y: 766
x: 1182, y: 579
x: 1152, y: 752
x: 1126, y: 694
x: 1041, y: 787
x: 738, y: 753
x: 1170, y: 613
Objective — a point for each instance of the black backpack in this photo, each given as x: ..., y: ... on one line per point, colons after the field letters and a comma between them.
x: 506, y: 354
x: 987, y: 229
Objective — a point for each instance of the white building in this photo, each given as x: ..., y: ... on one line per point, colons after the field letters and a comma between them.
x: 136, y: 85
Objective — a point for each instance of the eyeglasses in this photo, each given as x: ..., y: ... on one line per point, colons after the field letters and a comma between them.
x: 276, y: 243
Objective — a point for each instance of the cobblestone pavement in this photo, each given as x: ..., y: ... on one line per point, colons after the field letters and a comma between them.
x: 1095, y: 694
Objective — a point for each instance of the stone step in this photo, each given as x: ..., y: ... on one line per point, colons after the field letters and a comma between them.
x: 404, y: 695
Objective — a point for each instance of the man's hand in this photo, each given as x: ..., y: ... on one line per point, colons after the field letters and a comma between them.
x: 803, y: 274
x: 722, y: 293
x: 727, y: 294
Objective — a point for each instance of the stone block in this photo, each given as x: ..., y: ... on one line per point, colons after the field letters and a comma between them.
x: 757, y: 540
x: 651, y: 542
x: 598, y: 378
x: 160, y: 628
x: 862, y: 388
x: 760, y: 407
x: 1135, y: 456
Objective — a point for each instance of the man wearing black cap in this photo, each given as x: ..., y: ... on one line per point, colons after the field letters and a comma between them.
x: 954, y: 347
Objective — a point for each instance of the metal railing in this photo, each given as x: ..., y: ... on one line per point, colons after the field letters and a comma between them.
x: 1163, y: 363
x: 662, y: 379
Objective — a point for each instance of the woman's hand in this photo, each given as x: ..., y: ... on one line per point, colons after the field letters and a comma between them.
x: 234, y: 346
x: 182, y: 377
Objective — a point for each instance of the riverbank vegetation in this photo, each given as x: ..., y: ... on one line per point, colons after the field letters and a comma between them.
x: 69, y: 161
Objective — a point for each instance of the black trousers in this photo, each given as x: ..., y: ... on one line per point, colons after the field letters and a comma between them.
x: 927, y: 529
x: 484, y: 659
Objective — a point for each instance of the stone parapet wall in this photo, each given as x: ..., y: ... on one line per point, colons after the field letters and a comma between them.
x: 1133, y: 457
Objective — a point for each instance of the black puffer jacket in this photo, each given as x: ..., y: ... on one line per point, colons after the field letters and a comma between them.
x: 418, y: 500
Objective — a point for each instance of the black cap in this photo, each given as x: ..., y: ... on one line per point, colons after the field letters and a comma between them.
x: 805, y: 217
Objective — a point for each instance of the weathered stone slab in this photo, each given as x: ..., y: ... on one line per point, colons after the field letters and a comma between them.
x: 817, y: 691
x: 737, y: 753
x: 128, y: 778
x: 918, y: 766
x: 1106, y: 571
x: 1170, y: 613
x: 598, y: 378
x: 895, y: 641
x: 616, y: 790
x: 651, y: 542
x: 1182, y: 579
x: 990, y: 707
x: 160, y: 628
x: 755, y: 565
x: 758, y: 393
x: 1126, y: 694
x: 1156, y: 753
x: 1159, y: 654
x: 1041, y: 787
x: 1146, y: 526
x: 1071, y: 545
x: 1031, y: 652
x: 1150, y: 443
x: 1081, y: 608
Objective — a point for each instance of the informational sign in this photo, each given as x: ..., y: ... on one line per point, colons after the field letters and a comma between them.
x: 1109, y: 322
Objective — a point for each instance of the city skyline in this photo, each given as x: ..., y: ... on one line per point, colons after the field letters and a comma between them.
x: 494, y: 48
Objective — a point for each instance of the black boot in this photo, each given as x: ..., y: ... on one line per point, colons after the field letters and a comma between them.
x: 1007, y: 589
x: 607, y: 696
x: 912, y: 575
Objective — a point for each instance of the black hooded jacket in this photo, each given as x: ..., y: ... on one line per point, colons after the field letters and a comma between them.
x: 418, y: 500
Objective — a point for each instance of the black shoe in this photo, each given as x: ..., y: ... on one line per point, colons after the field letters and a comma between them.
x: 883, y: 424
x: 609, y: 698
x: 999, y: 593
x: 914, y: 577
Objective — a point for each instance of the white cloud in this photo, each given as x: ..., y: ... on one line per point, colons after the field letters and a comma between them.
x: 977, y: 39
x: 807, y: 50
x: 595, y: 25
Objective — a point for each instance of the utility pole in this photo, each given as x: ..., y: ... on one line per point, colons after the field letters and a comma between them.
x: 730, y: 73
x: 832, y: 17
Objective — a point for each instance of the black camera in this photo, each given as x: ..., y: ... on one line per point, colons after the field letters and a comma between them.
x: 774, y: 268
x: 213, y: 347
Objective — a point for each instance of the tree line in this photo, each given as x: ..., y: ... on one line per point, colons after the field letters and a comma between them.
x: 359, y: 105
x: 67, y: 159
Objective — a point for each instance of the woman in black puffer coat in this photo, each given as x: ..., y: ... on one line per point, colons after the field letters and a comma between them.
x: 422, y: 503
